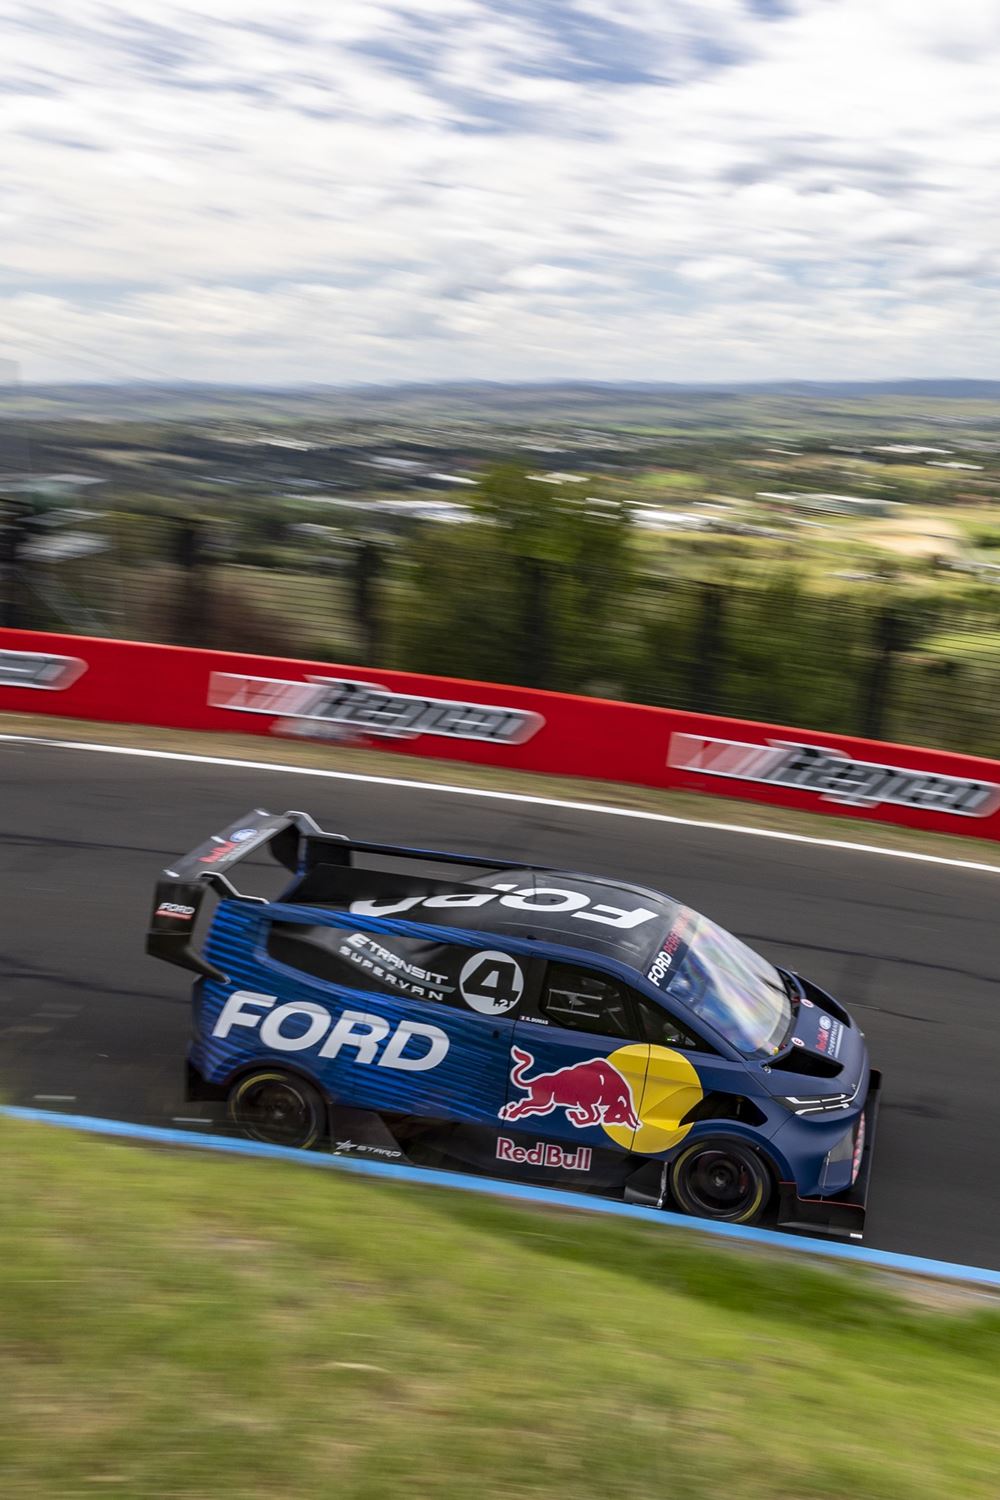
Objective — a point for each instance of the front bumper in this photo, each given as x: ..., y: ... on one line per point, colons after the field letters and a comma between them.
x: 843, y: 1214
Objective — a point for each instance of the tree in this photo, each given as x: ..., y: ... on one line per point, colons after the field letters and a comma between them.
x: 530, y: 591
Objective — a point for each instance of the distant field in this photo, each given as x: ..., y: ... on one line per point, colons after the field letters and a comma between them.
x: 669, y: 481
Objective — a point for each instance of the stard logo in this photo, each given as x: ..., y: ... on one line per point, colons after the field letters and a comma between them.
x: 368, y: 708
x: 833, y: 775
x: 32, y: 669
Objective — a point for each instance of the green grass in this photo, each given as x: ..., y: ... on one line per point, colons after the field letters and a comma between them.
x: 176, y: 1326
x: 667, y: 481
x: 956, y: 644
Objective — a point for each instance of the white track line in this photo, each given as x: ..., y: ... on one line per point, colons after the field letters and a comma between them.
x: 470, y: 791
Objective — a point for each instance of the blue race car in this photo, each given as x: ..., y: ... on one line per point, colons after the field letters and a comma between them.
x: 485, y: 1016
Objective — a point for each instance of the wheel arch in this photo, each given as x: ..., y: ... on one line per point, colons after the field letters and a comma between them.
x: 777, y: 1163
x: 278, y: 1065
x: 722, y: 1138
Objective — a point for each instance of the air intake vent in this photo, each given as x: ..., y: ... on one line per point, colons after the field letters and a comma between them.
x: 808, y: 1064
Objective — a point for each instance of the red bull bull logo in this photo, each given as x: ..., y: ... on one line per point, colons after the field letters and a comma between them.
x: 592, y: 1092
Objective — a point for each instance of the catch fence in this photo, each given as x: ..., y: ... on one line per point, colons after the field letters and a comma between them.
x: 868, y: 658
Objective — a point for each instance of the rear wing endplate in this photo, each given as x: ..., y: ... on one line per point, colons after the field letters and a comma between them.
x: 181, y: 888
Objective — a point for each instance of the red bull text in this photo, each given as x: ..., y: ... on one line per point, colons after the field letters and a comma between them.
x: 544, y: 1154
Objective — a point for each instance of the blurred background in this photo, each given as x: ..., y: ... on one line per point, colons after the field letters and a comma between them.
x: 637, y: 348
x: 823, y: 556
x: 714, y: 286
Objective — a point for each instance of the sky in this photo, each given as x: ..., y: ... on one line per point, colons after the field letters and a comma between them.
x: 352, y: 191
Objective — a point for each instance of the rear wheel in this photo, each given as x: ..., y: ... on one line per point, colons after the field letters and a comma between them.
x: 278, y: 1108
x: 721, y: 1179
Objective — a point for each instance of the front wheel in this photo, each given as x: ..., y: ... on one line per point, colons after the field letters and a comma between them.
x: 721, y: 1179
x: 277, y: 1108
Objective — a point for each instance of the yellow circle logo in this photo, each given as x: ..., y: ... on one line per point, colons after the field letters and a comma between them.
x: 665, y: 1086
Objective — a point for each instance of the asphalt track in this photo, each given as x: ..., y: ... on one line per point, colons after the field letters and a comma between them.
x: 89, y: 1025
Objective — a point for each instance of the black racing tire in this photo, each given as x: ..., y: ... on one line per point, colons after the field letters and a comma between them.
x: 278, y: 1108
x: 723, y: 1179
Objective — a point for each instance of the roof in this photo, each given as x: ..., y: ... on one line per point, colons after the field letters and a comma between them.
x: 615, y: 920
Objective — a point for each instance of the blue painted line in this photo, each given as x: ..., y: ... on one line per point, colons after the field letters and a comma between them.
x: 888, y: 1260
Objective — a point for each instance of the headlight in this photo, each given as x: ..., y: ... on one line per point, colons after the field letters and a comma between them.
x: 829, y: 1104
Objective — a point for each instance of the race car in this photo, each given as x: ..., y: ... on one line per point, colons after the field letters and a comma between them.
x: 488, y: 1016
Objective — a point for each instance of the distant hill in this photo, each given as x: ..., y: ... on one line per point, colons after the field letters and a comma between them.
x: 515, y: 400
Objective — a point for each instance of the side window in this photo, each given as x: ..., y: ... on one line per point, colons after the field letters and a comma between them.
x: 660, y: 1028
x: 582, y: 1000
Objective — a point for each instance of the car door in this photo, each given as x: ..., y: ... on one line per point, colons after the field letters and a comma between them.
x: 596, y: 1062
x: 479, y: 1017
x: 578, y: 1061
x: 686, y: 1080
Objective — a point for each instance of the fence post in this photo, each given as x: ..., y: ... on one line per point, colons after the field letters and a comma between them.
x: 192, y: 615
x: 709, y: 641
x: 367, y: 571
x: 13, y: 532
x: 887, y: 639
x: 534, y: 647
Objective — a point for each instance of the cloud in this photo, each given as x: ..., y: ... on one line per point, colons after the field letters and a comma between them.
x: 382, y: 189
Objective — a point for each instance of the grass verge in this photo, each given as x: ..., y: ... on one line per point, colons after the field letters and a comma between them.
x: 175, y: 1326
x: 833, y: 826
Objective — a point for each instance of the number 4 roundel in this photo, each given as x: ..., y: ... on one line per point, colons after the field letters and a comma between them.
x: 491, y: 983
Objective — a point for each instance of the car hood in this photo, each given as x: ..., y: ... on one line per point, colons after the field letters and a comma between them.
x: 825, y: 1050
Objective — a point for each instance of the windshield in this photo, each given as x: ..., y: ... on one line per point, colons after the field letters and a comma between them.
x: 732, y: 988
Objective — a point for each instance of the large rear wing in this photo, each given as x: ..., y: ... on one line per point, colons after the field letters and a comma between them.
x: 295, y: 841
x: 181, y: 888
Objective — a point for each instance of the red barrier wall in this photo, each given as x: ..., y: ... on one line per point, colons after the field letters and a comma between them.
x: 131, y: 682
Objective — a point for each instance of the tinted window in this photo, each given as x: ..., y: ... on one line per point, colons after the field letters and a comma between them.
x: 661, y: 1029
x: 581, y: 1000
x: 731, y: 987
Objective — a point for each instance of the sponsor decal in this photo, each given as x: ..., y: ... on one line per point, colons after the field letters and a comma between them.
x: 530, y: 898
x: 174, y: 909
x: 391, y: 969
x: 355, y: 1149
x: 797, y: 1041
x: 806, y: 1003
x: 368, y: 708
x: 591, y: 1092
x: 672, y: 954
x: 225, y: 847
x: 303, y: 1025
x: 544, y: 1154
x: 315, y: 729
x: 830, y: 1037
x: 661, y: 966
x: 36, y: 669
x: 491, y: 983
x: 598, y: 1091
x: 221, y: 851
x: 833, y: 775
